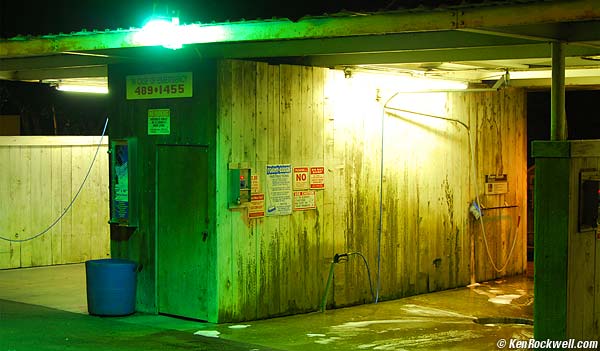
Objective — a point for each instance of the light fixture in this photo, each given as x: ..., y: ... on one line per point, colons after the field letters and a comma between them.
x: 82, y: 89
x: 92, y: 85
x: 591, y: 58
x: 160, y: 31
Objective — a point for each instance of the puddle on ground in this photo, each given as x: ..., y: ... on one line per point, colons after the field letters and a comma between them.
x: 431, y: 312
x: 208, y: 333
x: 503, y: 299
x: 424, y: 340
x: 239, y: 326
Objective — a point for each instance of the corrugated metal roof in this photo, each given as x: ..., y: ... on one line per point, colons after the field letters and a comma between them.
x: 319, y: 10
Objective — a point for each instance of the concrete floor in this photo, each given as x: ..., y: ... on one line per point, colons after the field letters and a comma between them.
x: 45, y: 309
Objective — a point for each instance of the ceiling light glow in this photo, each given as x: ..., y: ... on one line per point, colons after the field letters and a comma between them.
x: 160, y: 32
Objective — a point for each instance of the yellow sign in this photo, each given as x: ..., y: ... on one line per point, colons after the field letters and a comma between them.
x: 159, y: 86
x: 159, y: 121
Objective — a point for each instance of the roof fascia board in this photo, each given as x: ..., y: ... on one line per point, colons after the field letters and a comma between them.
x: 325, y: 27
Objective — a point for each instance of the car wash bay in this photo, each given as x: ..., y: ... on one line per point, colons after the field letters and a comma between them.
x: 256, y: 265
x: 396, y: 183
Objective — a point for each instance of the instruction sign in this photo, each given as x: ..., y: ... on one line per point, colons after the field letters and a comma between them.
x: 304, y: 200
x: 159, y: 86
x: 279, y: 190
x: 300, y: 178
x: 256, y: 207
x: 159, y: 121
x: 317, y: 177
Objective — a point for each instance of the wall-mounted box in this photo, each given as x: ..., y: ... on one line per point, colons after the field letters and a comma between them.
x: 496, y: 184
x: 589, y: 185
x: 123, y: 207
x: 240, y: 184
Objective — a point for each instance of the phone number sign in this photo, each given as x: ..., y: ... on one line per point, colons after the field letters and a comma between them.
x: 159, y: 86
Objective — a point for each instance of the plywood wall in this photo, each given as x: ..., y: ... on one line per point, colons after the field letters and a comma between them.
x: 583, y: 280
x: 271, y: 114
x: 38, y: 178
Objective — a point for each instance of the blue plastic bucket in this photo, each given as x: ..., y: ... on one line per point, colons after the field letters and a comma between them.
x: 110, y: 286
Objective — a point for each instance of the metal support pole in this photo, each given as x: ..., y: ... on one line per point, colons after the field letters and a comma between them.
x: 558, y: 116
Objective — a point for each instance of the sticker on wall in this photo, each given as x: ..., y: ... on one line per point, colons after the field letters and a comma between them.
x: 279, y: 190
x: 159, y: 121
x: 121, y: 183
x: 159, y: 86
x: 256, y: 207
x: 304, y: 200
x: 317, y: 177
x: 255, y: 184
x: 300, y: 178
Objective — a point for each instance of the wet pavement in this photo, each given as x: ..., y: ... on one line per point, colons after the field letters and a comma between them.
x: 460, y: 319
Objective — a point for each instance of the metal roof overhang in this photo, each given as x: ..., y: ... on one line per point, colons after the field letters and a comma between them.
x: 462, y: 35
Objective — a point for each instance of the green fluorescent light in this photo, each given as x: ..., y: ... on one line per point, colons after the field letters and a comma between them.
x: 160, y: 32
x: 82, y: 89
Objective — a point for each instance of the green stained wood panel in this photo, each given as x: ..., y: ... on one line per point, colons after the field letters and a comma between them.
x: 184, y: 254
x: 192, y: 124
x: 551, y: 247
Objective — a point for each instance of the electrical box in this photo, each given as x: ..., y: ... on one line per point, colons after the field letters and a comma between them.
x: 496, y: 184
x: 240, y: 183
x: 589, y: 186
x: 123, y: 210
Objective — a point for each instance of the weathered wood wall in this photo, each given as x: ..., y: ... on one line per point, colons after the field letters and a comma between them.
x: 38, y: 178
x: 270, y: 114
x: 583, y: 278
x: 499, y: 137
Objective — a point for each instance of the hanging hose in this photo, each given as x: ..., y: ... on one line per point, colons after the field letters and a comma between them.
x: 475, y: 187
x: 339, y: 258
x: 72, y: 201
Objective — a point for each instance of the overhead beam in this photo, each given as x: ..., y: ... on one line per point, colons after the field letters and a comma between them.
x: 580, y: 33
x: 541, y: 50
x: 360, y: 44
x: 321, y: 27
x: 55, y: 73
x: 53, y: 61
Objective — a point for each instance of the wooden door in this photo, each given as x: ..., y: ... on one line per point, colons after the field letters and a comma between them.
x: 182, y: 231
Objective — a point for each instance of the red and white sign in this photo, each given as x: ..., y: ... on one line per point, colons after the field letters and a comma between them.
x: 305, y: 200
x: 256, y: 207
x: 300, y: 178
x: 317, y: 177
x: 255, y: 183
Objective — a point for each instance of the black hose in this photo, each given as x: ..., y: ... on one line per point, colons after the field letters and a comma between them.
x: 368, y: 271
